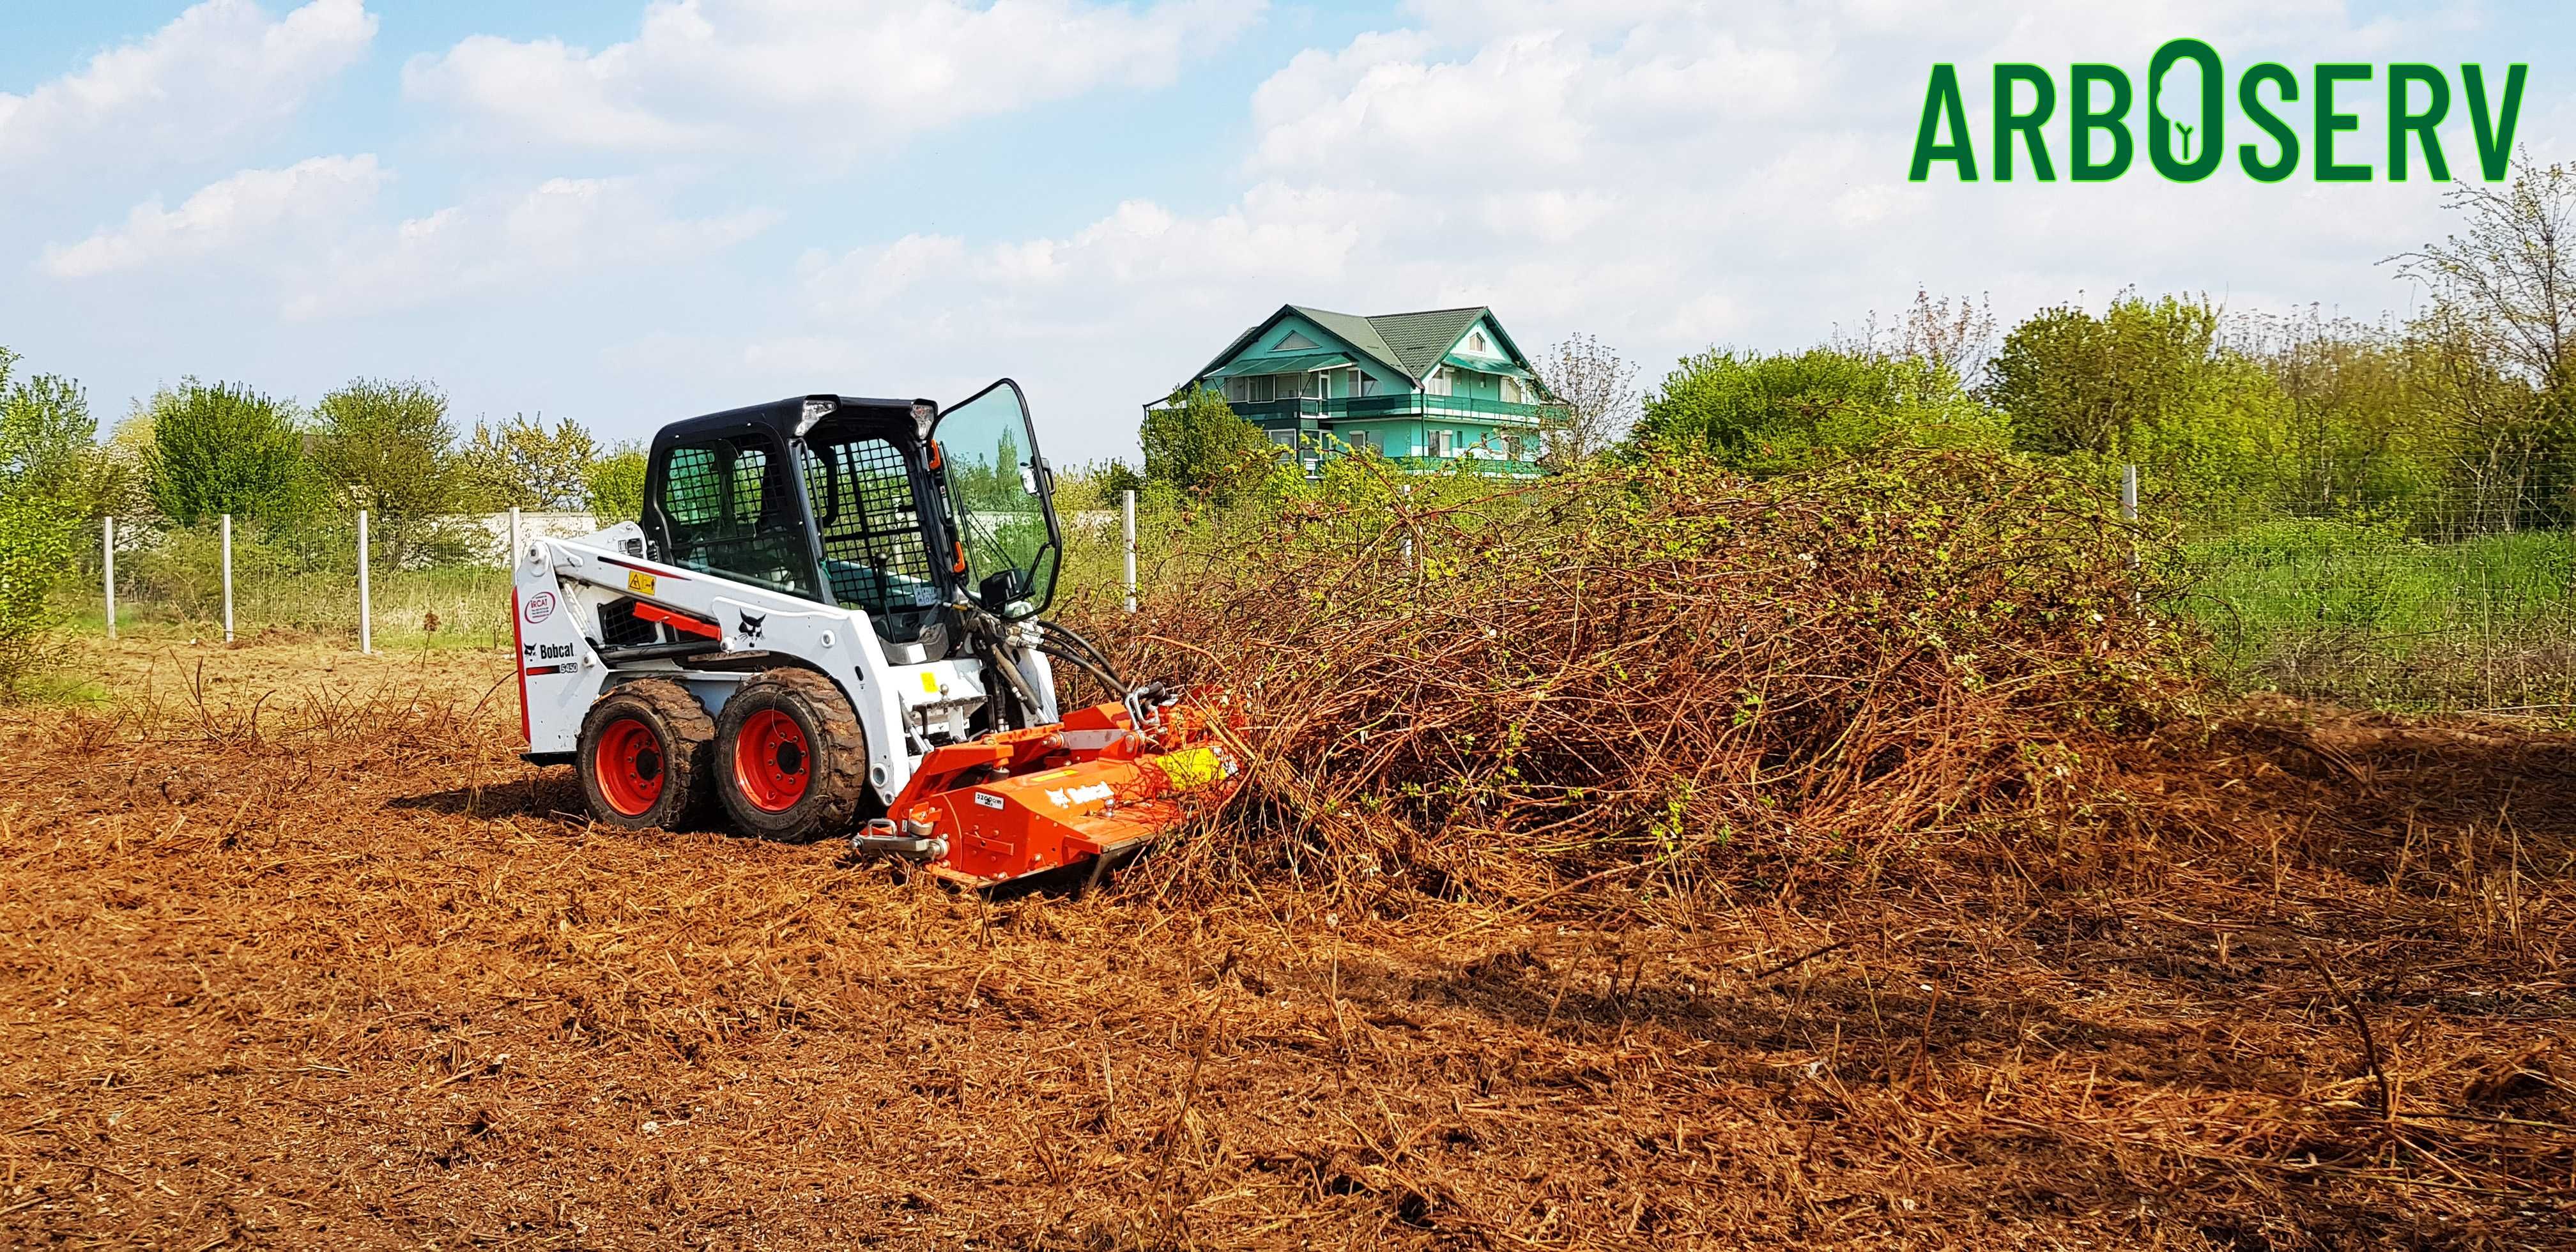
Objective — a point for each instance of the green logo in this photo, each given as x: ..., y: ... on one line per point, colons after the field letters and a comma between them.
x: 2186, y: 135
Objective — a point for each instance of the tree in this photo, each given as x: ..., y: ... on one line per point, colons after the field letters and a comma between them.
x: 48, y: 439
x: 1780, y: 411
x: 1955, y: 334
x: 46, y: 446
x: 224, y: 448
x: 387, y: 447
x: 2510, y: 277
x: 614, y: 485
x: 2504, y: 292
x: 1196, y: 443
x: 2147, y: 382
x: 1594, y: 397
x: 522, y: 463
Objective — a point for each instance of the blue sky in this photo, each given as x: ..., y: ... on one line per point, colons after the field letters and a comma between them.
x: 628, y: 212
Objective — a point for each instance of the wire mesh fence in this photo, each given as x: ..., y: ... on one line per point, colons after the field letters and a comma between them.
x: 2454, y: 599
x: 2458, y: 599
x: 436, y: 581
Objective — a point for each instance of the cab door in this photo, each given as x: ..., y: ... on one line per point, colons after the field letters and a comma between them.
x: 1001, y: 494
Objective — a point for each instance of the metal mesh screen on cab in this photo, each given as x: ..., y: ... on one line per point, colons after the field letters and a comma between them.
x: 873, y: 547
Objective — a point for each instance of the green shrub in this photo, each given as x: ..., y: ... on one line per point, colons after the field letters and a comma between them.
x: 35, y: 552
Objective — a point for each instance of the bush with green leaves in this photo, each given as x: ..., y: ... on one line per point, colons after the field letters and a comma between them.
x: 525, y: 463
x: 1197, y: 443
x: 1780, y: 411
x: 47, y: 472
x: 222, y: 448
x: 614, y: 485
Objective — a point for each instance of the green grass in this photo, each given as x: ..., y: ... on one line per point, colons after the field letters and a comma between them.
x: 472, y: 606
x: 2355, y: 613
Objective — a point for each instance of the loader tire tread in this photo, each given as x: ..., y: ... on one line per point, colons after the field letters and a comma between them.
x: 687, y: 764
x: 837, y: 790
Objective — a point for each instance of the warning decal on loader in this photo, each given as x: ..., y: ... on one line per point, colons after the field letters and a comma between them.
x: 639, y: 582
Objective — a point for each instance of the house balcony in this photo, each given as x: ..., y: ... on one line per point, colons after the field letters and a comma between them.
x: 1413, y: 404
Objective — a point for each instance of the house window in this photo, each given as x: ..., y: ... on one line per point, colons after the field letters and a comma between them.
x: 1362, y: 440
x: 1476, y: 343
x: 1438, y: 383
x: 1234, y: 388
x: 1257, y: 388
x: 1443, y: 442
x: 1294, y: 342
x: 1511, y: 389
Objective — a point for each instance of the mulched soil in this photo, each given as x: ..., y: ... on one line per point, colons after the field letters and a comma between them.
x: 350, y: 974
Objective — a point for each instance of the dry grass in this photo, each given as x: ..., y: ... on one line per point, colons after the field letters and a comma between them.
x: 371, y: 986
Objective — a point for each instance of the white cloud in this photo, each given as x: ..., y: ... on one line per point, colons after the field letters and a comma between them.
x: 813, y: 74
x: 217, y: 69
x: 561, y: 227
x: 1275, y: 234
x: 250, y: 206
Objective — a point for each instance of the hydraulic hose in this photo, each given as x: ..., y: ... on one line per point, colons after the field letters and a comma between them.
x: 1100, y: 674
x: 1066, y: 636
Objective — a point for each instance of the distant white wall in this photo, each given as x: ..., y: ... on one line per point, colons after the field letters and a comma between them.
x: 532, y: 526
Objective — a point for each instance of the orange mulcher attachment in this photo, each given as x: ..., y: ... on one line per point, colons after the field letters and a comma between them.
x: 1022, y: 802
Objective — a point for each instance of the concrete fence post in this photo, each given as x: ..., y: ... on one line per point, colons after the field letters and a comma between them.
x: 107, y: 548
x: 228, y: 578
x: 1127, y: 509
x: 2128, y: 493
x: 510, y: 559
x: 366, y: 611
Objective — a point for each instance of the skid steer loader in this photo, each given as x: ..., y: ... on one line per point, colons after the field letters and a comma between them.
x: 827, y: 622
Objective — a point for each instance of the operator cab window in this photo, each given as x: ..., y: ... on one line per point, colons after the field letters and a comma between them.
x: 875, y: 550
x: 732, y: 511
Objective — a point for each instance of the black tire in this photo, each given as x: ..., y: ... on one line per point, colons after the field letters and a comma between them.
x: 792, y: 785
x: 643, y: 756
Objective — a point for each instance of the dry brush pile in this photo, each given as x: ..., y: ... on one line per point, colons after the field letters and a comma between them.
x: 1661, y: 664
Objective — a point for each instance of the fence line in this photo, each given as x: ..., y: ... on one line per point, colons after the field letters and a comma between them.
x: 2468, y: 602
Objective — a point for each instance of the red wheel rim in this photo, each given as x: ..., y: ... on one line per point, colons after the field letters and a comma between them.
x: 771, y: 761
x: 629, y: 766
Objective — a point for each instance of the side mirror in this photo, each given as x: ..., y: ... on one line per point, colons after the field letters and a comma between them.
x: 1000, y: 588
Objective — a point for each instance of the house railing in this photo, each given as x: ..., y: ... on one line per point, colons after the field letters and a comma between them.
x: 1405, y: 405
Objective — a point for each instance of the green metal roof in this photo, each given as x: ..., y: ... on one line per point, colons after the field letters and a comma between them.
x: 1419, y: 339
x: 1298, y: 363
x: 1411, y: 344
x: 1484, y: 366
x: 1359, y: 332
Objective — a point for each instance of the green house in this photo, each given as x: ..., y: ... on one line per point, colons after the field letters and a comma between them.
x: 1426, y: 389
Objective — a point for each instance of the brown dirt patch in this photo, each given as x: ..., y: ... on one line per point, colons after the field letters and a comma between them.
x: 354, y: 977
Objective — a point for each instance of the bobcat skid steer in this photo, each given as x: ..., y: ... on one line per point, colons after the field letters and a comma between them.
x: 827, y: 622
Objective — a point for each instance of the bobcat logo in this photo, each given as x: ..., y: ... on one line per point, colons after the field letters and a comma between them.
x: 751, y: 625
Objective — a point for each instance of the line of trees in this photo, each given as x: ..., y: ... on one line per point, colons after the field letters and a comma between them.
x: 292, y: 478
x: 2460, y: 419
